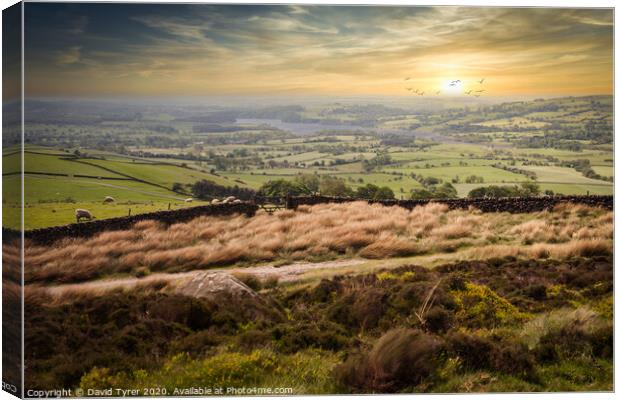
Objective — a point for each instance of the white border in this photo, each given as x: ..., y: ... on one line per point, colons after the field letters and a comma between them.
x: 504, y: 3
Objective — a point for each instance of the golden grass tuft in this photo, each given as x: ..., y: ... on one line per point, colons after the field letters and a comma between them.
x: 318, y: 232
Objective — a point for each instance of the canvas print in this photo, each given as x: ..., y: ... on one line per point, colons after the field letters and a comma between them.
x: 233, y: 199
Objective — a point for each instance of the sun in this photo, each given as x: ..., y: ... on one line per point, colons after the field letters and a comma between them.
x: 452, y: 87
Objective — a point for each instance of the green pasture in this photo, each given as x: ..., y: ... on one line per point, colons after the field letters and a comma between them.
x: 161, y: 174
x: 53, y: 189
x: 44, y: 163
x: 488, y: 173
x: 562, y: 175
x: 53, y: 200
x: 53, y: 214
x: 604, y: 170
x: 577, y: 189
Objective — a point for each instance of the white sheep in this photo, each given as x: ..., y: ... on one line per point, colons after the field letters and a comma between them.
x: 216, y: 201
x: 189, y: 200
x: 236, y: 201
x: 229, y: 199
x: 83, y: 214
x: 109, y: 199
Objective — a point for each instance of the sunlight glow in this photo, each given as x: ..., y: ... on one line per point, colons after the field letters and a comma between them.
x: 452, y: 87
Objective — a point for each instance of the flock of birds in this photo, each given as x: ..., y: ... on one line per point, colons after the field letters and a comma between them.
x: 476, y: 93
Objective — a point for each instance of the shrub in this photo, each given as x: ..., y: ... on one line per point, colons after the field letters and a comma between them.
x: 399, y: 359
x: 536, y: 291
x: 197, y: 343
x: 512, y: 358
x: 324, y: 335
x: 438, y: 320
x: 478, y: 306
x: 478, y: 352
x: 368, y: 308
x: 576, y: 339
x: 472, y: 350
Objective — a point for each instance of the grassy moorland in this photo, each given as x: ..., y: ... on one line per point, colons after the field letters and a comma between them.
x: 503, y: 302
x: 336, y: 298
x: 323, y: 232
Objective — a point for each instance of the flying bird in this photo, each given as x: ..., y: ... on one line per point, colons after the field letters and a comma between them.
x: 407, y: 78
x: 468, y: 92
x: 409, y: 89
x: 456, y: 81
x: 476, y: 95
x: 437, y: 92
x: 479, y: 91
x: 480, y: 81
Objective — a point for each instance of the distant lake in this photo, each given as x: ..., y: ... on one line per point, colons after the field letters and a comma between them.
x: 311, y: 128
x: 300, y: 128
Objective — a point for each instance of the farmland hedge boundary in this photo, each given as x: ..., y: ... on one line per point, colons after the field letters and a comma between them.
x: 507, y: 204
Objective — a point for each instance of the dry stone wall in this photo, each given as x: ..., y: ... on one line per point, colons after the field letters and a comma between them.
x: 86, y: 229
x: 505, y: 204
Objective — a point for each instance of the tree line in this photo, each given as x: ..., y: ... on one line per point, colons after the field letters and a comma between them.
x: 325, y: 185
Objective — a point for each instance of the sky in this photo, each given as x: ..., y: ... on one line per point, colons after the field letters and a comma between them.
x: 90, y: 50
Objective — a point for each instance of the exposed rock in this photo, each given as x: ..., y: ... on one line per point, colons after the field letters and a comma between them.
x: 224, y: 290
x: 211, y: 285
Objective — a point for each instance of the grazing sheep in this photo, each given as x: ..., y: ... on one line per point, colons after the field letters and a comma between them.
x: 83, y: 214
x: 109, y: 199
x: 189, y: 200
x: 229, y: 199
x: 236, y: 201
x: 216, y: 201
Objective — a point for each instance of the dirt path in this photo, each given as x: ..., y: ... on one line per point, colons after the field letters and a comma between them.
x: 285, y: 273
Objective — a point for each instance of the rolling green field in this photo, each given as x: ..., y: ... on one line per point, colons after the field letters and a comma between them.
x: 141, y: 160
x: 52, y: 200
x: 143, y: 185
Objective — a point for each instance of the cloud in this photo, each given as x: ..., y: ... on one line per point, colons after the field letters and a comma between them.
x: 70, y: 56
x: 77, y: 25
x: 263, y: 49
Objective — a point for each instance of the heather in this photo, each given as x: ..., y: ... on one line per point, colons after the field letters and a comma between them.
x: 502, y: 324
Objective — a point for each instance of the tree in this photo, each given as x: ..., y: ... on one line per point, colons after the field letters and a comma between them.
x: 207, y: 190
x: 529, y: 189
x: 374, y: 192
x: 494, y: 191
x: 333, y: 186
x: 279, y: 188
x: 444, y: 191
x: 307, y: 183
x: 418, y: 194
x: 526, y: 189
x: 178, y: 187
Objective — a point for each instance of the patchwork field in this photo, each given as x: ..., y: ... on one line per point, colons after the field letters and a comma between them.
x: 562, y: 145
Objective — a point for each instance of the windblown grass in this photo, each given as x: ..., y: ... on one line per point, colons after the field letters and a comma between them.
x: 322, y: 232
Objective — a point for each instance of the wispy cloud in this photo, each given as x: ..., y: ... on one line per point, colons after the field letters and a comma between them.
x: 71, y: 55
x: 314, y: 49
